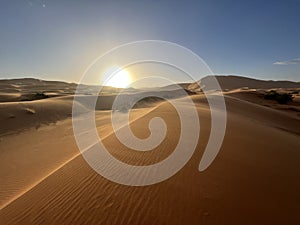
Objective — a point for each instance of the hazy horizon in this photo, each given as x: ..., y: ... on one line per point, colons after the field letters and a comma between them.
x: 187, y: 81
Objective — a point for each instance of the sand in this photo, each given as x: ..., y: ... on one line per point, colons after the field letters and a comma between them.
x: 253, y: 180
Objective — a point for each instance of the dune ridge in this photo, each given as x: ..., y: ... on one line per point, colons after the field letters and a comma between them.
x: 107, y: 132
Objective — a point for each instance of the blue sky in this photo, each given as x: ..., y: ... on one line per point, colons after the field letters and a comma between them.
x: 58, y: 39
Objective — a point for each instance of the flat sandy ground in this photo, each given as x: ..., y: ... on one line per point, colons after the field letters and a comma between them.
x: 254, y: 179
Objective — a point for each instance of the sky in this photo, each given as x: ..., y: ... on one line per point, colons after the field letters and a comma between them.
x: 57, y: 39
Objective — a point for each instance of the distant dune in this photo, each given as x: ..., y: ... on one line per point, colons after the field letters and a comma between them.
x: 14, y: 88
x: 28, y: 89
x: 29, y: 103
x: 234, y: 82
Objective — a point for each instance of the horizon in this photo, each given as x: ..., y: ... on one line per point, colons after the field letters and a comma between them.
x: 141, y: 87
x: 58, y: 40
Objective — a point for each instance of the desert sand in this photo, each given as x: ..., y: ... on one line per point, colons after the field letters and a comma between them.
x: 45, y: 180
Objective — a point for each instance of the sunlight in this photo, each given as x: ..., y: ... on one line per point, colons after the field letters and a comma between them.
x: 120, y: 80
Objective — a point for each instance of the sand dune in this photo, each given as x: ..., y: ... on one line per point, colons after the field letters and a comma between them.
x: 17, y: 115
x: 41, y: 150
x: 253, y: 180
x: 243, y: 184
x: 233, y: 82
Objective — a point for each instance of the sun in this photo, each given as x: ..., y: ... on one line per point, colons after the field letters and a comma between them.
x: 120, y: 80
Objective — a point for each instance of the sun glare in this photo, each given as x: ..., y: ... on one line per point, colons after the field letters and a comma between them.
x: 120, y: 80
